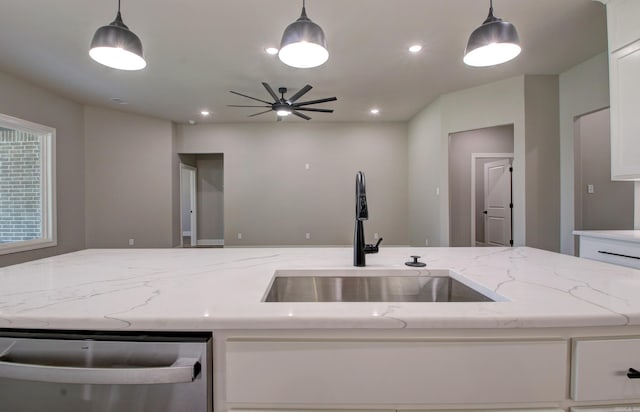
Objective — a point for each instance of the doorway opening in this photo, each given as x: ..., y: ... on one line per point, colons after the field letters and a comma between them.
x: 202, y: 199
x: 469, y: 153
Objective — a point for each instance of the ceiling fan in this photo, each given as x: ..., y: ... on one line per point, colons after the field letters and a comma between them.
x: 284, y: 107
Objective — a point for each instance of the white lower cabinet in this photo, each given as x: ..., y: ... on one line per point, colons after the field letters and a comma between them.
x: 600, y: 368
x: 394, y: 372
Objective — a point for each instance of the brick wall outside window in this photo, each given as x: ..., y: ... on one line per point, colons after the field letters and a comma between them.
x: 20, y: 186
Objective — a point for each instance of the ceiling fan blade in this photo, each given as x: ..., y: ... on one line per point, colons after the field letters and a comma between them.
x: 249, y: 97
x: 300, y: 93
x: 256, y: 114
x: 311, y: 109
x: 238, y: 105
x: 304, y: 116
x: 271, y: 92
x: 328, y: 99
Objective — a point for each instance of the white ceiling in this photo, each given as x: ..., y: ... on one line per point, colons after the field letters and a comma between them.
x: 198, y: 50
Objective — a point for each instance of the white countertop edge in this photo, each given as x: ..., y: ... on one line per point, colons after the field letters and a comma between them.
x: 624, y: 235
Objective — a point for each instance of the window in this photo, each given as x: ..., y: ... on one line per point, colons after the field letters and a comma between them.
x: 27, y: 185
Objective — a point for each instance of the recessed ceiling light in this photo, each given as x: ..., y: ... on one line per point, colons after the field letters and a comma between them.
x: 271, y: 50
x: 415, y: 48
x: 374, y: 111
x: 205, y: 112
x: 191, y: 122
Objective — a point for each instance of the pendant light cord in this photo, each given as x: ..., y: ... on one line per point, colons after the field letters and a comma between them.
x: 490, y: 17
x: 303, y: 15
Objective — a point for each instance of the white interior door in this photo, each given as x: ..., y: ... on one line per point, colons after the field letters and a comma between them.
x: 497, y: 200
x: 193, y: 206
x: 188, y: 202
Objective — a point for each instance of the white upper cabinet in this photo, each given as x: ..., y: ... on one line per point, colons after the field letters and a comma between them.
x: 624, y: 72
x: 622, y: 22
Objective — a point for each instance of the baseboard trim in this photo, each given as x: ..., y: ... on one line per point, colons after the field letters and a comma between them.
x: 210, y: 242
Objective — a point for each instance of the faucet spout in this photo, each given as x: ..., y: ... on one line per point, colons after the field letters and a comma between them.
x: 362, y: 212
x: 360, y: 248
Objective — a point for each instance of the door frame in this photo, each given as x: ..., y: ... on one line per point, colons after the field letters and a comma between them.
x: 193, y: 200
x: 474, y: 158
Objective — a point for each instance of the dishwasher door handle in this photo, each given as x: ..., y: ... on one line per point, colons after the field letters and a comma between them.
x: 182, y: 370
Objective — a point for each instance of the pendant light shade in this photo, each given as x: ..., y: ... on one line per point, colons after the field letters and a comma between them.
x: 116, y: 46
x: 303, y: 43
x: 494, y: 42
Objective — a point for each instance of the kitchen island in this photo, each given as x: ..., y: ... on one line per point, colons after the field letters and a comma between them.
x: 562, y: 334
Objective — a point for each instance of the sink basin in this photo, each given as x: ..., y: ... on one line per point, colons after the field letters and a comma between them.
x: 372, y: 286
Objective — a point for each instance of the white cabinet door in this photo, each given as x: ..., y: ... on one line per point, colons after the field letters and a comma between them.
x: 625, y: 117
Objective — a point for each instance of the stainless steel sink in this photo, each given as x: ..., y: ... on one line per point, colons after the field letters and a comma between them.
x: 365, y: 286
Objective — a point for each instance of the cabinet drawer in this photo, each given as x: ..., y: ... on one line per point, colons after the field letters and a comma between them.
x: 395, y: 372
x: 611, y: 251
x: 600, y: 369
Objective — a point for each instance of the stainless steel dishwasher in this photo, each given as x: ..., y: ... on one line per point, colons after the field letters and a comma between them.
x: 100, y: 372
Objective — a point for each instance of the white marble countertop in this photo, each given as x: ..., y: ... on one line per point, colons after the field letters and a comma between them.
x: 625, y: 235
x: 207, y: 289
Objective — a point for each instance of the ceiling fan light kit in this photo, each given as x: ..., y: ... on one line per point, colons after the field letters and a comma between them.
x: 117, y: 47
x: 303, y: 44
x: 494, y: 42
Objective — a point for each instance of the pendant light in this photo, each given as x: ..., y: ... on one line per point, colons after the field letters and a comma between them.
x: 303, y: 43
x: 116, y: 46
x: 494, y: 42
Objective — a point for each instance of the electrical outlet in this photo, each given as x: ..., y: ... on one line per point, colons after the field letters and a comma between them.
x: 307, y: 236
x: 132, y: 242
x: 426, y: 242
x: 239, y: 235
x: 375, y: 236
x: 307, y: 166
x: 591, y: 189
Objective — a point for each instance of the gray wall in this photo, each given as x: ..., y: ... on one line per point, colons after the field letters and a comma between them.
x: 497, y: 139
x: 210, y: 196
x: 176, y: 234
x: 610, y: 207
x: 542, y: 161
x: 583, y: 89
x: 272, y: 199
x: 26, y: 101
x: 425, y: 206
x: 129, y: 180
